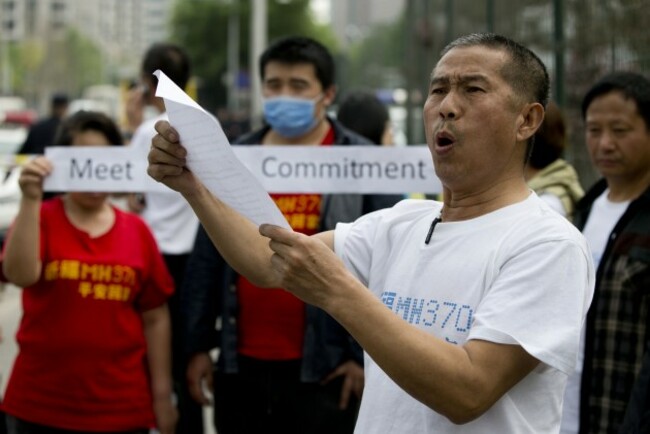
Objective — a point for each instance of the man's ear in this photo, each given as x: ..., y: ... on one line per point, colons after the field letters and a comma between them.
x: 529, y: 120
x: 328, y: 95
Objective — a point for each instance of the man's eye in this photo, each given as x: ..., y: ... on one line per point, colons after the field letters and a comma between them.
x: 473, y: 89
x: 437, y: 91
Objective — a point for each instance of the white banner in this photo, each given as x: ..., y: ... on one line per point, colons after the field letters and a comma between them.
x: 280, y: 169
x: 341, y: 169
x: 95, y: 168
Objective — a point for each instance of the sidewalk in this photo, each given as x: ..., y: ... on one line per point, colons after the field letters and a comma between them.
x: 10, y: 313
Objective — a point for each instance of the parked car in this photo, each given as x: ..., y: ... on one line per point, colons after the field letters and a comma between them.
x: 14, y: 126
x: 9, y: 198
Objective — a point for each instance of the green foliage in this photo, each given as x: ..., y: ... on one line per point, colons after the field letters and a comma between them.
x: 375, y: 56
x: 78, y: 60
x: 201, y: 27
x: 69, y: 63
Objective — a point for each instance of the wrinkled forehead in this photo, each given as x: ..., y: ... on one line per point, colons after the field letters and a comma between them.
x: 475, y: 60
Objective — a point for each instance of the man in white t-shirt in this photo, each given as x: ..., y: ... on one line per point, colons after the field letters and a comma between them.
x: 614, y: 216
x: 169, y: 216
x: 469, y: 309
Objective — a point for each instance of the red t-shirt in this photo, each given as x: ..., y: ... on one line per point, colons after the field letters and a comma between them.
x: 272, y: 321
x: 82, y: 360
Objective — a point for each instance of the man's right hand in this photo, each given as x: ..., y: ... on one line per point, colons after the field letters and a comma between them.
x: 199, y: 373
x: 167, y: 161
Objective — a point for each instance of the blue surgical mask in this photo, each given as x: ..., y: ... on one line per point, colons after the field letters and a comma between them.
x: 291, y: 117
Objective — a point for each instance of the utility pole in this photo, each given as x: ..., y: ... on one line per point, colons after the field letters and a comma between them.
x: 258, y: 42
x: 449, y: 16
x: 489, y: 15
x: 6, y: 61
x: 233, y: 57
x: 559, y: 47
x: 410, y: 70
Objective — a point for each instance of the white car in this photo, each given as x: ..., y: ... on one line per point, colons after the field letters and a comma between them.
x: 9, y: 198
x: 12, y: 137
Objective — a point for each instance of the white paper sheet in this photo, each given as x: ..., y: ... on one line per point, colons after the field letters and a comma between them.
x: 211, y: 158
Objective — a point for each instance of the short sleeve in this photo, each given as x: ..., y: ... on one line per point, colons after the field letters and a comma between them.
x: 353, y: 243
x: 534, y: 300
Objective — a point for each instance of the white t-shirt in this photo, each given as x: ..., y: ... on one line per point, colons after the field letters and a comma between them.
x: 167, y: 213
x: 520, y: 275
x: 602, y: 218
x: 554, y: 202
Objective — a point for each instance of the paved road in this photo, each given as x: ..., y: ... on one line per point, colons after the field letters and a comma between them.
x: 10, y: 313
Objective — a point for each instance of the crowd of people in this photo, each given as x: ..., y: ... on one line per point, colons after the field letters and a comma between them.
x: 516, y: 303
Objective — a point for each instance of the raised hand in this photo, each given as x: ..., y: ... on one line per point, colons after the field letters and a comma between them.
x: 32, y: 176
x: 167, y: 160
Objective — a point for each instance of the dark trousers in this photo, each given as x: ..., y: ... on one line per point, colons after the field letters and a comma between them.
x: 3, y: 423
x: 190, y: 420
x: 268, y: 397
x: 19, y: 426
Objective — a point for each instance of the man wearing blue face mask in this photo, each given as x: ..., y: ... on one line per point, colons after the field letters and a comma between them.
x: 283, y: 366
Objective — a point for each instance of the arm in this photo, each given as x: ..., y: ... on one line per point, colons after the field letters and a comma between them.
x: 236, y: 238
x: 157, y: 332
x: 476, y: 374
x: 22, y: 264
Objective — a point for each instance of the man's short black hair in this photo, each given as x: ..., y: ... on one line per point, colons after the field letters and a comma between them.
x: 59, y: 100
x: 632, y: 85
x: 170, y: 59
x: 525, y: 72
x: 298, y: 49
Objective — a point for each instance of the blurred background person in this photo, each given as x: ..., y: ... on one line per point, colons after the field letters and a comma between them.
x: 614, y: 216
x: 553, y: 179
x: 283, y: 365
x: 362, y: 112
x: 94, y: 338
x: 42, y: 133
x: 169, y: 216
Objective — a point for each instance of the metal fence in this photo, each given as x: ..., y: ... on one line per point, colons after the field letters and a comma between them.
x: 579, y: 41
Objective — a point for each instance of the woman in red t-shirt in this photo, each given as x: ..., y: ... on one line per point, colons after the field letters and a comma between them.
x: 94, y: 339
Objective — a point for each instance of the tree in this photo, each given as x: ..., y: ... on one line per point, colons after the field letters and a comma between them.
x: 201, y: 27
x: 68, y: 63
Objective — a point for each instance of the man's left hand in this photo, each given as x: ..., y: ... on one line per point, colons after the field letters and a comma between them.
x: 353, y: 380
x: 305, y: 266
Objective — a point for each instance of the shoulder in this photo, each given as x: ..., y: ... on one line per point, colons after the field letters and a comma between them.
x: 345, y: 136
x: 251, y: 138
x: 52, y: 206
x: 539, y: 223
x: 132, y: 222
x: 402, y: 214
